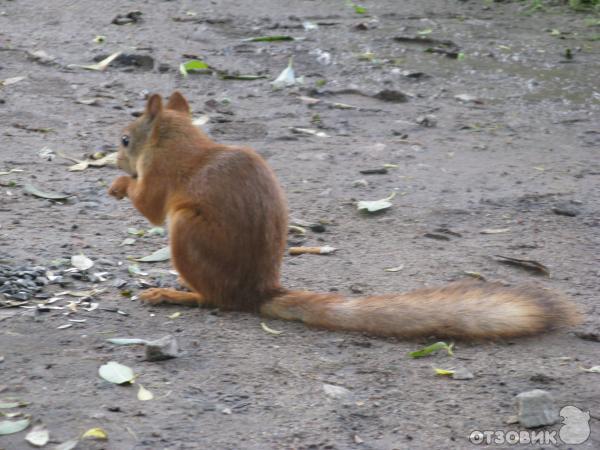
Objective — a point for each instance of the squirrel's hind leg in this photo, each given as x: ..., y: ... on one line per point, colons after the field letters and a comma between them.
x: 157, y: 296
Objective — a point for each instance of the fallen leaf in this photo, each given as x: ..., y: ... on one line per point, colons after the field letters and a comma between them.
x: 102, y: 65
x: 110, y: 159
x: 443, y: 371
x: 241, y: 77
x: 593, y: 369
x: 310, y: 131
x: 127, y: 241
x: 13, y: 426
x: 270, y: 330
x: 175, y: 315
x: 527, y: 264
x: 65, y: 326
x: 144, y: 394
x: 135, y: 231
x: 425, y: 351
x: 114, y: 372
x: 81, y: 262
x: 126, y: 341
x: 11, y: 171
x: 274, y: 38
x: 495, y: 230
x: 202, y: 120
x: 38, y: 436
x: 194, y: 65
x: 376, y: 205
x: 474, y: 275
x: 286, y: 78
x: 99, y: 39
x: 95, y: 433
x: 9, y: 81
x: 162, y: 254
x: 134, y: 269
x: 394, y: 269
x: 44, y: 194
x: 11, y: 404
x: 424, y: 32
x: 156, y: 231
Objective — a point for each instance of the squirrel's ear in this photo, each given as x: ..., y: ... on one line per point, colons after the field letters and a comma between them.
x: 177, y: 102
x: 154, y: 106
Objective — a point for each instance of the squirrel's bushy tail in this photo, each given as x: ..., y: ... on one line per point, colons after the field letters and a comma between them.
x: 469, y: 310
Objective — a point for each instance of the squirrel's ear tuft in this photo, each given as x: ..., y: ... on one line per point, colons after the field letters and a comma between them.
x: 177, y: 102
x: 154, y: 106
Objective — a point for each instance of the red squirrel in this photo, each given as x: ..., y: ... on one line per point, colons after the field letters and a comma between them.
x: 227, y: 219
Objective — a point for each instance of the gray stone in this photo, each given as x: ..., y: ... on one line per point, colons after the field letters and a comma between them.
x: 536, y: 409
x: 462, y: 374
x: 163, y: 348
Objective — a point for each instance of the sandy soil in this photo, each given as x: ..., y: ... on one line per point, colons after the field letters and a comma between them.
x: 522, y: 145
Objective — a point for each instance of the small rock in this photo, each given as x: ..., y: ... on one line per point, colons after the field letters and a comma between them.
x: 589, y: 334
x: 360, y: 183
x: 317, y: 228
x: 337, y: 392
x: 462, y: 374
x: 390, y: 95
x: 565, y: 209
x: 428, y: 120
x: 130, y: 17
x: 536, y: 408
x: 161, y: 349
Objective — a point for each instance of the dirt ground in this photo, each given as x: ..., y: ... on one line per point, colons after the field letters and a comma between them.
x: 517, y: 151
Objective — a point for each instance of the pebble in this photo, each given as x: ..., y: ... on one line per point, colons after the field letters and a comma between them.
x: 337, y: 392
x: 161, y: 349
x: 565, y: 209
x: 536, y: 408
x: 462, y: 374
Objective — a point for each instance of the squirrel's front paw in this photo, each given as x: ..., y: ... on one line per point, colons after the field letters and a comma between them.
x: 118, y: 188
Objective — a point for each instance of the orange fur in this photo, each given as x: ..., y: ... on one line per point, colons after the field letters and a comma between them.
x: 227, y: 221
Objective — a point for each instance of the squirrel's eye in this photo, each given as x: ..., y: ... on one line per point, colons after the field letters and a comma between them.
x: 125, y: 140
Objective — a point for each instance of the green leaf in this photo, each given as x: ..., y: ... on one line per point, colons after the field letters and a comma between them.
x: 135, y: 231
x: 134, y: 269
x: 447, y: 372
x: 227, y: 76
x: 425, y: 32
x: 13, y: 426
x: 162, y: 254
x: 44, y: 194
x: 278, y: 37
x: 114, y: 372
x: 193, y: 65
x: 156, y: 231
x: 126, y: 341
x: 460, y: 56
x: 95, y: 433
x: 432, y: 349
x: 376, y: 205
x: 360, y: 9
x: 6, y: 404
